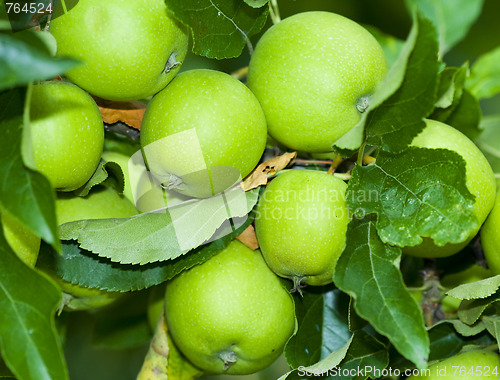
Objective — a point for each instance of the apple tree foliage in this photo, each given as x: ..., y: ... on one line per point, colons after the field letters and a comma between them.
x: 368, y: 317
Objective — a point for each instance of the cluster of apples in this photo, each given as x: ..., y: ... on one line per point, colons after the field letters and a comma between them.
x: 310, y: 79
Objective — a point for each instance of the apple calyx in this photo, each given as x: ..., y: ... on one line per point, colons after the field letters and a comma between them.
x: 172, y: 63
x: 298, y: 284
x: 172, y: 182
x: 362, y: 103
x: 228, y: 357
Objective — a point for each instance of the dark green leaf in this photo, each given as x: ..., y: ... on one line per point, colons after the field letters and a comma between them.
x: 395, y: 121
x: 451, y: 85
x: 368, y: 270
x: 24, y: 59
x: 471, y: 310
x: 364, y: 352
x: 445, y: 341
x: 415, y: 195
x: 28, y: 301
x: 466, y: 116
x: 84, y: 268
x: 26, y: 194
x: 484, y: 80
x: 163, y: 235
x: 452, y: 18
x: 256, y: 3
x: 220, y: 28
x: 322, y: 327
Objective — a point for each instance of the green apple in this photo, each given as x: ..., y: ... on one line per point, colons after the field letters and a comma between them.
x: 230, y: 314
x: 301, y: 224
x: 66, y: 136
x: 203, y: 133
x: 22, y: 241
x: 479, y: 179
x: 472, y: 274
x: 475, y: 364
x: 130, y: 49
x: 101, y: 203
x: 490, y: 238
x: 314, y: 73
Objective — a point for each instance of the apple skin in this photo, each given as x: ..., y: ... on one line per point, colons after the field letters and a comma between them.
x: 470, y: 360
x: 310, y: 72
x: 301, y: 247
x: 212, y: 121
x: 23, y: 242
x: 230, y: 307
x: 490, y: 238
x: 101, y: 203
x: 479, y: 179
x: 66, y: 134
x: 124, y: 46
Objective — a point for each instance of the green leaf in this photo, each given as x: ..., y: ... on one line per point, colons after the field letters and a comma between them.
x: 471, y: 310
x: 99, y: 176
x: 466, y: 330
x: 406, y: 95
x: 256, y: 3
x: 492, y: 323
x: 478, y: 289
x: 368, y: 270
x: 489, y: 140
x: 29, y: 342
x: 24, y: 193
x: 451, y: 84
x: 452, y: 18
x: 24, y: 59
x: 84, y: 268
x: 415, y: 194
x: 364, y: 352
x: 322, y: 327
x: 466, y: 116
x: 394, y: 122
x: 444, y: 341
x: 321, y: 367
x: 484, y: 79
x: 163, y: 235
x: 220, y: 28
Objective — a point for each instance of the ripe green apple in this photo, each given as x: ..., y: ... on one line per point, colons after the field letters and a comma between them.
x: 101, y: 203
x: 66, y: 136
x: 22, y: 241
x: 230, y: 314
x: 314, y: 73
x: 301, y: 224
x: 130, y: 49
x: 479, y: 179
x: 472, y: 274
x: 490, y: 238
x: 475, y: 364
x: 203, y: 133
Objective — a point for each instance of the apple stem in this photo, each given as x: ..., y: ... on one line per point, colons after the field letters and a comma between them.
x: 363, y: 103
x: 298, y: 285
x: 229, y: 358
x: 172, y: 62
